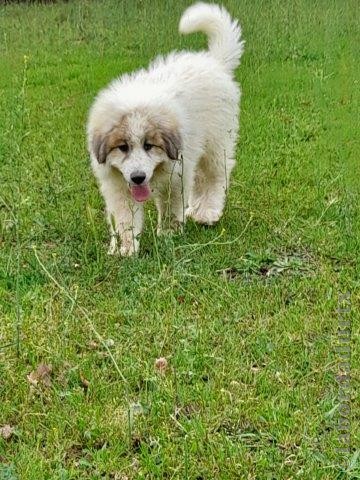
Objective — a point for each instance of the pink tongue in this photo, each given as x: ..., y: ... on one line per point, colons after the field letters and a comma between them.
x: 140, y: 193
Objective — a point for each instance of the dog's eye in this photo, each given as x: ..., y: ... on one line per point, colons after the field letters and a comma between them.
x: 124, y: 148
x: 147, y: 146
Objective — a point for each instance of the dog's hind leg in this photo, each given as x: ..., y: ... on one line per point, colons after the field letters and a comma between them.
x: 211, y: 182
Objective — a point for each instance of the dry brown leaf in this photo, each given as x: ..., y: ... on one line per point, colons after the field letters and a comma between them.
x: 6, y: 432
x: 41, y: 375
x: 84, y: 382
x: 161, y: 365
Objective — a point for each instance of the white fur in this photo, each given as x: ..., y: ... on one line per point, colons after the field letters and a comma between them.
x: 194, y: 91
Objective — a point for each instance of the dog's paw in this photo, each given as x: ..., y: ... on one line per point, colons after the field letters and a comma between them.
x: 207, y: 216
x: 175, y: 226
x: 129, y: 247
x: 113, y: 247
x: 125, y: 245
x: 163, y: 232
x: 126, y: 251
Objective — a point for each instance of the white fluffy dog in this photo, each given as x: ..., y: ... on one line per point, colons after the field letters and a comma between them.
x: 169, y: 133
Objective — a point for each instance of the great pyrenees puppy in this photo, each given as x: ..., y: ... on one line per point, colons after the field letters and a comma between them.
x: 169, y: 132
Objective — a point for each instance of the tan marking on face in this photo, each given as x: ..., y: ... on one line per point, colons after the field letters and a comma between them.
x: 163, y: 132
x: 103, y: 144
x: 119, y: 134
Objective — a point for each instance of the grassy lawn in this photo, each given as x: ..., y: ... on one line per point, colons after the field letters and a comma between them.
x: 244, y: 313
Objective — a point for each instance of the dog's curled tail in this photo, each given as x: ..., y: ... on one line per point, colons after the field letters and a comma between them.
x: 224, y: 33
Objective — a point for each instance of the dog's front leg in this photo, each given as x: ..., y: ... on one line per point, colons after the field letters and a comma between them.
x: 125, y: 219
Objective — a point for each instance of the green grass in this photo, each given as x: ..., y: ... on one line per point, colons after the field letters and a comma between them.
x: 245, y: 312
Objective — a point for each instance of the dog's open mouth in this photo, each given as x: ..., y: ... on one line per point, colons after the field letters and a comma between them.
x: 140, y: 193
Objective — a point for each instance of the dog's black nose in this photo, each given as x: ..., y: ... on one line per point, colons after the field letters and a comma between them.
x: 138, y: 177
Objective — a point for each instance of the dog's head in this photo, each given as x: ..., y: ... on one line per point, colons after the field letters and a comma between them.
x: 137, y: 145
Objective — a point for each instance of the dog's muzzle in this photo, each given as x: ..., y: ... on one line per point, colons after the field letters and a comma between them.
x: 140, y: 191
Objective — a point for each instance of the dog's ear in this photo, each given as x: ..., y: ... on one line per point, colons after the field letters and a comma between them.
x: 164, y: 131
x: 172, y: 142
x: 99, y: 147
x: 103, y: 143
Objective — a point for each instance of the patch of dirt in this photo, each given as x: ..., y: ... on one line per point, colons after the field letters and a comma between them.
x: 252, y: 266
x: 41, y: 376
x: 6, y: 432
